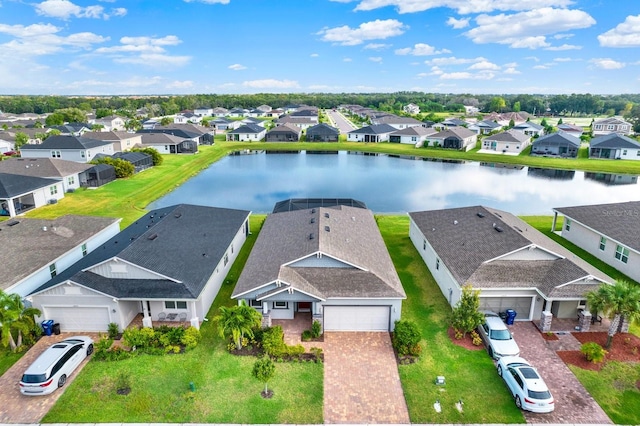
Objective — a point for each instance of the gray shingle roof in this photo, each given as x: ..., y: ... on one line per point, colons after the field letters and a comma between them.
x: 247, y: 128
x: 528, y: 125
x: 415, y: 131
x: 508, y: 136
x: 13, y: 185
x: 353, y: 237
x: 376, y: 129
x: 614, y: 140
x: 322, y: 129
x: 67, y: 142
x: 561, y: 138
x: 42, y: 167
x: 618, y: 221
x: 459, y: 132
x: 160, y: 139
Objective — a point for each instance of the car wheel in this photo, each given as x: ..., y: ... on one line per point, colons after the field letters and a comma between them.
x: 500, y: 370
x: 90, y: 349
x: 62, y: 380
x: 490, y: 350
x: 518, y: 402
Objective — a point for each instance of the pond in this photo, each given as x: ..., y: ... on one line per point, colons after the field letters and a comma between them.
x: 256, y: 180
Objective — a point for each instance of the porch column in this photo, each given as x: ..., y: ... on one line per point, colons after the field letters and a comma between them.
x: 546, y: 318
x: 195, y: 322
x: 553, y: 224
x: 584, y: 320
x: 146, y: 318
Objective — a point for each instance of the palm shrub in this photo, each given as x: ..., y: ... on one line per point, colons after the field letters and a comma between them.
x: 237, y: 321
x: 465, y: 316
x: 16, y: 319
x: 593, y: 351
x: 406, y: 338
x: 620, y: 301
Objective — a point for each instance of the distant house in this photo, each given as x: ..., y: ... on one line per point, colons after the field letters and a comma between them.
x: 529, y: 128
x: 237, y: 112
x: 510, y: 142
x: 505, y: 118
x: 49, y: 246
x: 610, y: 232
x: 111, y: 122
x: 322, y: 133
x: 187, y: 117
x: 19, y: 193
x: 203, y: 112
x: 198, y: 134
x: 220, y: 112
x: 572, y: 129
x: 122, y: 141
x: 611, y: 125
x: 411, y: 109
x: 301, y: 122
x: 471, y: 110
x: 613, y: 146
x: 170, y: 263
x: 373, y: 133
x: 330, y: 263
x: 484, y: 127
x: 454, y: 138
x: 415, y: 135
x: 450, y: 122
x: 513, y: 265
x: 398, y: 122
x: 310, y: 113
x: 283, y: 133
x: 223, y: 124
x: 71, y: 148
x: 247, y: 133
x: 71, y: 129
x: 150, y: 124
x: 69, y: 173
x: 252, y: 120
x: 166, y: 143
x: 7, y: 141
x: 557, y: 145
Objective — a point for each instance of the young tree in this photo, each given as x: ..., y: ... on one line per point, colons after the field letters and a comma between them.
x: 238, y: 321
x: 165, y: 121
x: 21, y: 139
x: 620, y: 301
x: 264, y: 369
x: 465, y: 316
x: 15, y: 318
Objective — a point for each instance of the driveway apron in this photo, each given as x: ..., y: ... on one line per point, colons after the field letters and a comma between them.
x: 361, y: 380
x: 573, y: 403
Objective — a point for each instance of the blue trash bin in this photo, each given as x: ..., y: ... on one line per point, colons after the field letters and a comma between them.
x: 511, y: 316
x: 47, y: 327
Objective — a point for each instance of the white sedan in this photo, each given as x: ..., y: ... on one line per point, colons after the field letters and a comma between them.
x: 527, y: 387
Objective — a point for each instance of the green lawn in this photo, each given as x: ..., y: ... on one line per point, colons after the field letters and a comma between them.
x: 8, y: 358
x: 470, y: 375
x: 225, y: 391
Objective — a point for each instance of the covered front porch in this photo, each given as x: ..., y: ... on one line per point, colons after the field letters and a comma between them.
x: 293, y: 329
x: 153, y: 313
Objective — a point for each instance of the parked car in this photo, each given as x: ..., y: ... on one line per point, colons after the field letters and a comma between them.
x: 497, y: 338
x: 527, y: 387
x: 51, y: 369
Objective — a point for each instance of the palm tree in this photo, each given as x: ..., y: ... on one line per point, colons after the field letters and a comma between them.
x: 15, y: 316
x: 619, y: 301
x: 238, y: 321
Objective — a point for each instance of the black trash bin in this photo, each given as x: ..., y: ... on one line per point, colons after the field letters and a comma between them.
x: 511, y: 316
x: 56, y: 328
x: 47, y: 327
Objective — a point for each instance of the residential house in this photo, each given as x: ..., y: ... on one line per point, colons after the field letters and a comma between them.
x: 611, y: 125
x: 556, y: 144
x: 71, y: 148
x: 237, y: 112
x: 150, y: 124
x: 329, y: 263
x: 71, y: 129
x: 46, y: 247
x: 450, y: 122
x: 19, y: 193
x: 415, y: 135
x: 398, y: 122
x: 220, y: 112
x: 529, y: 128
x: 170, y: 263
x: 203, y: 111
x: 194, y: 132
x: 247, y: 133
x: 7, y: 141
x: 264, y: 108
x: 572, y: 129
x: 505, y: 118
x: 252, y: 120
x: 255, y: 113
x: 187, y: 118
x: 322, y: 132
x: 373, y: 133
x: 411, y: 108
x: 68, y: 172
x: 166, y: 143
x: 122, y: 141
x: 454, y: 138
x: 610, y: 232
x: 301, y: 122
x: 275, y: 113
x: 283, y: 133
x: 513, y: 265
x: 614, y: 146
x: 484, y: 127
x: 111, y: 122
x: 309, y: 113
x: 223, y: 124
x: 471, y: 110
x: 510, y: 142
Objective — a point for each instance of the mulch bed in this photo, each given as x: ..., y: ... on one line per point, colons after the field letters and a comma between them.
x: 466, y: 342
x: 548, y: 336
x: 625, y: 348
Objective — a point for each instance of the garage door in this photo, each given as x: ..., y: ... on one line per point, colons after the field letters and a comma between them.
x: 356, y: 318
x: 79, y: 318
x: 522, y: 305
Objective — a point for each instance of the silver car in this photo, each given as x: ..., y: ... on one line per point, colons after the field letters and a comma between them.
x: 51, y: 369
x: 527, y: 387
x: 498, y: 338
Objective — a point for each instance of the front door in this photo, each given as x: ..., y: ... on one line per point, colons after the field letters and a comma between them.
x: 304, y: 306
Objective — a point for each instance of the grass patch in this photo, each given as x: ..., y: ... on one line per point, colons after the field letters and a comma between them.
x: 615, y: 389
x: 470, y: 375
x: 225, y: 390
x: 8, y: 358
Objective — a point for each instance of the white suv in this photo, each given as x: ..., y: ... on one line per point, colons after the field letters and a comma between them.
x: 497, y: 338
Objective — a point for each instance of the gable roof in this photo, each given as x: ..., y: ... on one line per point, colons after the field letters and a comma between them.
x: 183, y: 242
x: 558, y: 138
x: 613, y: 140
x: 67, y: 142
x: 284, y: 128
x: 486, y: 124
x: 375, y: 129
x: 13, y: 185
x: 347, y: 234
x: 42, y: 167
x: 415, y: 131
x: 322, y: 129
x: 458, y: 132
x: 71, y: 127
x: 248, y: 128
x: 109, y: 136
x: 618, y: 221
x: 528, y: 125
x: 389, y: 119
x: 610, y: 120
x: 509, y: 136
x: 153, y: 138
x: 568, y: 127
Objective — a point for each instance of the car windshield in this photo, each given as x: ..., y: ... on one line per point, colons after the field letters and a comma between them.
x: 540, y: 394
x: 500, y: 335
x: 33, y: 378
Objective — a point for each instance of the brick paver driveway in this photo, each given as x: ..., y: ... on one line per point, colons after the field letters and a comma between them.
x: 17, y: 408
x: 573, y: 403
x: 361, y: 381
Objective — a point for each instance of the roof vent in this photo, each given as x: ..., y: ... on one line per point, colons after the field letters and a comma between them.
x: 313, y: 211
x: 326, y: 228
x: 480, y: 214
x: 455, y: 222
x: 497, y: 228
x: 313, y: 220
x: 326, y: 215
x: 311, y: 236
x: 152, y: 237
x: 177, y: 215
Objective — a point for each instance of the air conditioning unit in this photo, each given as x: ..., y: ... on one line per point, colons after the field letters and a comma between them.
x: 53, y: 201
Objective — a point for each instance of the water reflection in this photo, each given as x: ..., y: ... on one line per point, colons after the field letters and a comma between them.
x: 389, y: 184
x: 611, y: 179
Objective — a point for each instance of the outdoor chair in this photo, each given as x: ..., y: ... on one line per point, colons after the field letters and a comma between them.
x: 162, y: 316
x: 183, y: 316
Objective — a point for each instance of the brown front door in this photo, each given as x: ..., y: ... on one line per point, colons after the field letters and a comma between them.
x: 304, y: 306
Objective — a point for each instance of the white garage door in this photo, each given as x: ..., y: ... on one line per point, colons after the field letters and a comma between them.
x: 522, y: 305
x: 356, y: 318
x: 79, y: 318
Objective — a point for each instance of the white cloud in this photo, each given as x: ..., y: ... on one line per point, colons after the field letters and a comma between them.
x: 461, y: 6
x: 374, y: 30
x: 564, y: 59
x: 314, y: 55
x: 484, y: 65
x: 541, y: 67
x: 562, y: 36
x: 347, y: 60
x: 563, y: 47
x: 452, y: 60
x: 527, y: 29
x: 155, y: 60
x: 377, y: 59
x: 186, y: 84
x: 420, y: 49
x: 65, y: 9
x: 533, y: 58
x: 377, y: 46
x: 143, y: 50
x: 467, y: 76
x: 271, y: 84
x: 237, y: 67
x: 511, y: 70
x: 607, y: 63
x: 208, y: 1
x: 625, y: 34
x: 458, y: 24
x: 42, y: 39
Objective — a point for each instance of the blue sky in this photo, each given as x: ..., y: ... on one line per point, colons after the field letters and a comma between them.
x: 106, y: 47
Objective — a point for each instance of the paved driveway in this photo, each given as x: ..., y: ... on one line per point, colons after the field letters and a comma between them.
x: 573, y: 403
x: 17, y: 408
x: 361, y: 381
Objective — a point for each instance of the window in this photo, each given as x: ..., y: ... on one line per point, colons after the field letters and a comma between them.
x: 171, y: 304
x: 413, y: 138
x: 280, y: 305
x: 603, y: 243
x: 424, y: 244
x: 611, y: 127
x: 622, y: 254
x: 84, y: 249
x: 82, y: 154
x: 181, y: 305
x: 567, y: 224
x: 437, y: 263
x: 255, y: 303
x: 231, y: 248
x: 71, y: 180
x: 52, y: 270
x: 55, y: 154
x: 624, y: 152
x: 53, y: 189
